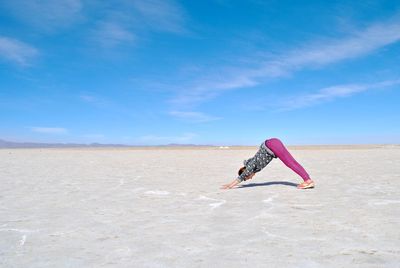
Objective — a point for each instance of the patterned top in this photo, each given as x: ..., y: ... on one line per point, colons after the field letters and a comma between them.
x: 259, y: 161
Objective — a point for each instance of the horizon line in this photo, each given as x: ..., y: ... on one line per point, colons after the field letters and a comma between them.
x: 6, y: 144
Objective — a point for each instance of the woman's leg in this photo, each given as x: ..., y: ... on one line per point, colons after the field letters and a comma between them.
x: 283, y: 154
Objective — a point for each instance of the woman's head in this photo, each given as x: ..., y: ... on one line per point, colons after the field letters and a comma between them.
x: 241, y: 170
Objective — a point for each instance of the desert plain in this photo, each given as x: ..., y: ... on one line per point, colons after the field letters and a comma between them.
x: 163, y: 207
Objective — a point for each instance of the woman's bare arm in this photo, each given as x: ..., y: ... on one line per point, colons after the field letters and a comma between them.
x: 231, y: 185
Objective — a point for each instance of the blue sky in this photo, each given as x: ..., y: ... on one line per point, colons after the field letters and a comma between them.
x: 205, y: 72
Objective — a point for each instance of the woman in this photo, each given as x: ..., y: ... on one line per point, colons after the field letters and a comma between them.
x: 271, y: 148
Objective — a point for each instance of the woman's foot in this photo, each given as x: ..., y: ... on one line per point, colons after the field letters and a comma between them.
x: 306, y: 185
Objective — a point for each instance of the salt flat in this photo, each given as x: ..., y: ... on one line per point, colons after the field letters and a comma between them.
x: 163, y: 208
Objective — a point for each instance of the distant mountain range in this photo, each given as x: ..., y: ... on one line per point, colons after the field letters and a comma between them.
x: 11, y: 144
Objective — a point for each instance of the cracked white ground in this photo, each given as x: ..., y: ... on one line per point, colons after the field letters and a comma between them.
x: 164, y: 208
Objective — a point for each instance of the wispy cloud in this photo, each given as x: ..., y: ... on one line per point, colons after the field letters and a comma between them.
x: 209, y: 88
x: 95, y: 100
x: 88, y: 98
x: 156, y: 139
x: 121, y: 22
x: 16, y: 51
x: 49, y: 130
x: 127, y: 23
x: 112, y: 33
x: 315, y: 54
x: 163, y: 15
x: 195, y: 117
x: 47, y: 15
x: 360, y: 43
x: 331, y: 93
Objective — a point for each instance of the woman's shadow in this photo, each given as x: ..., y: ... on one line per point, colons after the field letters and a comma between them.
x: 268, y: 184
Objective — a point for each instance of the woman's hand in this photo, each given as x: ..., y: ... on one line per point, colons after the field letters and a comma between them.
x: 230, y: 185
x: 226, y: 186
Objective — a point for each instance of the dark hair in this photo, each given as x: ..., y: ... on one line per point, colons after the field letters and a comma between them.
x: 241, y: 170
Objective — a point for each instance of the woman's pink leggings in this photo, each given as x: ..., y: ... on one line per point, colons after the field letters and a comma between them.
x: 283, y: 154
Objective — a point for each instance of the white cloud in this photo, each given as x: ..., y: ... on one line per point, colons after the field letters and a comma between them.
x: 360, y: 43
x: 49, y: 130
x: 112, y: 33
x: 16, y: 51
x: 164, y: 15
x: 331, y: 93
x: 88, y: 98
x: 45, y: 14
x: 196, y: 117
x: 313, y: 55
x: 130, y: 20
x: 96, y: 101
x: 212, y: 87
x: 156, y: 139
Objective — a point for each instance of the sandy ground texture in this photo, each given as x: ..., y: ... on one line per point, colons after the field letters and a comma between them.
x: 164, y: 208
